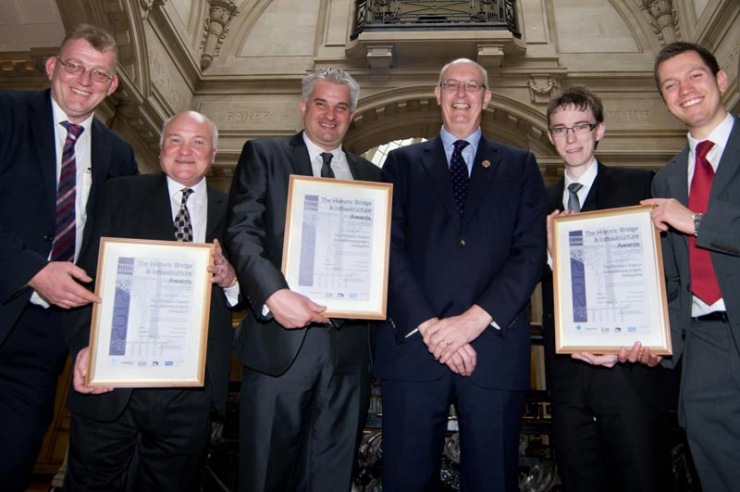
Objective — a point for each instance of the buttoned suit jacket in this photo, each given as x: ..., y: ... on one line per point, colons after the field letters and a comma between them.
x: 612, y: 188
x: 256, y: 225
x: 28, y: 186
x: 719, y: 233
x: 441, y: 264
x: 139, y: 207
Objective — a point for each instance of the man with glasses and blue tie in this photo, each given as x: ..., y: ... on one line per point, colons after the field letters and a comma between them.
x: 609, y: 422
x: 54, y: 158
x: 467, y: 248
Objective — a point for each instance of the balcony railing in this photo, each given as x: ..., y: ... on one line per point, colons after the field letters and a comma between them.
x: 435, y: 14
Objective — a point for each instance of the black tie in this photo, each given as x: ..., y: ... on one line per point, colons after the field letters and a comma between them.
x: 574, y: 204
x: 326, y: 170
x: 459, y: 175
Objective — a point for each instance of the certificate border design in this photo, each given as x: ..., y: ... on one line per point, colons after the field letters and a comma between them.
x: 298, y: 188
x: 660, y: 340
x: 193, y: 373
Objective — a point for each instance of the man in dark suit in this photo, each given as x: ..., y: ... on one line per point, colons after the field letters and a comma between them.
x: 609, y: 423
x: 166, y: 428
x: 50, y: 180
x: 697, y: 204
x: 467, y: 248
x: 305, y: 388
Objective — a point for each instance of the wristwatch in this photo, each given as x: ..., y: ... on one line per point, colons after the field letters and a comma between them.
x: 697, y: 222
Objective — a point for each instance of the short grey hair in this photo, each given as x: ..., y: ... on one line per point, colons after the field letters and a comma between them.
x: 335, y: 76
x: 214, y: 128
x: 483, y: 71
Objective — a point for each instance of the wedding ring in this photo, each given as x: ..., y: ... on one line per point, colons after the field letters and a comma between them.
x: 448, y: 342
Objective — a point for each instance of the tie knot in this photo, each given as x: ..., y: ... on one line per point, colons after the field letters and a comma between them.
x: 186, y: 192
x: 460, y: 145
x: 575, y: 187
x: 73, y: 130
x: 703, y: 148
x: 327, y: 157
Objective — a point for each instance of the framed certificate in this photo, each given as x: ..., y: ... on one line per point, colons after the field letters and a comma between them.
x: 336, y: 245
x: 609, y: 288
x: 151, y: 328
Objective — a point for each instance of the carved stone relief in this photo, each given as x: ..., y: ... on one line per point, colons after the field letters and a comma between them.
x: 221, y: 13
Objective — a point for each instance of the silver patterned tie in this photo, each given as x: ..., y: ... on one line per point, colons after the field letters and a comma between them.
x: 574, y: 204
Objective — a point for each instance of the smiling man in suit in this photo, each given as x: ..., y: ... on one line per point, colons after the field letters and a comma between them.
x: 54, y: 158
x: 609, y: 423
x: 697, y: 205
x: 467, y: 248
x: 305, y: 389
x: 166, y: 428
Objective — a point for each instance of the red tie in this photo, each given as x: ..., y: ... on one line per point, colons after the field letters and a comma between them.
x: 703, y: 279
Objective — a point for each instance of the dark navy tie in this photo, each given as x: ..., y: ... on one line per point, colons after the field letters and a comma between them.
x: 459, y: 175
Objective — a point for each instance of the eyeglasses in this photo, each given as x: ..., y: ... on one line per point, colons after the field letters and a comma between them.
x: 578, y: 129
x: 468, y: 85
x: 95, y: 74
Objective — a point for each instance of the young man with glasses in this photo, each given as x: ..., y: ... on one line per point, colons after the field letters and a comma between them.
x: 609, y: 422
x: 54, y: 158
x: 467, y: 248
x: 697, y: 204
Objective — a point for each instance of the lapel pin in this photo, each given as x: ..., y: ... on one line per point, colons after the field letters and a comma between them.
x: 486, y: 164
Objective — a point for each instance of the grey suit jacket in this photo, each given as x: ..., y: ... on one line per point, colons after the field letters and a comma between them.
x: 254, y: 239
x: 719, y: 233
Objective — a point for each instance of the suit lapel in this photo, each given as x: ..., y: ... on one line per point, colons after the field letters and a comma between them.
x: 161, y: 209
x: 728, y: 171
x: 485, y: 164
x: 301, y: 159
x: 555, y: 196
x: 434, y: 160
x: 45, y: 143
x: 600, y: 186
x: 215, y: 214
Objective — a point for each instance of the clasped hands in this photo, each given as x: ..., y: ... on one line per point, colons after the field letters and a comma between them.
x: 449, y: 339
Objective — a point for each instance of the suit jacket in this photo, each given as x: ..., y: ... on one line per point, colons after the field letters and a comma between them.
x: 28, y: 191
x: 719, y: 233
x: 256, y: 224
x: 139, y: 207
x: 441, y: 265
x: 612, y: 188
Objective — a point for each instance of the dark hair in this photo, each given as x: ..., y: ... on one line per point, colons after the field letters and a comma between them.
x: 580, y: 98
x: 99, y: 38
x: 675, y: 49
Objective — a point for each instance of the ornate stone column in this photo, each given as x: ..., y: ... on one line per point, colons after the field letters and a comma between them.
x: 663, y: 19
x: 222, y: 12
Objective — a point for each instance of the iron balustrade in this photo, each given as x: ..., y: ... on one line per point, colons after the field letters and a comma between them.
x: 435, y: 14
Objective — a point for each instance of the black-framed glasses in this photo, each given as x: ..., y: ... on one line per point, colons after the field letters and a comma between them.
x: 96, y: 74
x: 468, y: 85
x: 578, y: 129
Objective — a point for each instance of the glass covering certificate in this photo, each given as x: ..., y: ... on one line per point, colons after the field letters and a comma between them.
x: 608, y: 282
x: 151, y: 328
x: 336, y: 244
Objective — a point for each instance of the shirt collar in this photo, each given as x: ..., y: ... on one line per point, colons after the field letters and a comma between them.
x: 448, y: 139
x: 60, y: 116
x: 586, y: 179
x: 173, y: 187
x: 314, y: 150
x: 720, y: 135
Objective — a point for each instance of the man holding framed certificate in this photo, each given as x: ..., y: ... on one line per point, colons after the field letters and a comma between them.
x: 609, y: 424
x: 306, y: 382
x: 697, y: 205
x: 166, y: 428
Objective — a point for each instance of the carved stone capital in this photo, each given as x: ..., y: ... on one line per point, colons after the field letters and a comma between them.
x: 221, y: 13
x: 663, y: 19
x: 148, y: 5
